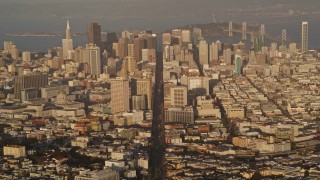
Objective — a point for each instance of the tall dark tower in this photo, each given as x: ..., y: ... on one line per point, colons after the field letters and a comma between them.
x: 157, y: 150
x: 94, y: 34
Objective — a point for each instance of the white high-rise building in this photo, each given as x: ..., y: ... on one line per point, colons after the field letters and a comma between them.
x: 304, y: 36
x: 67, y: 43
x: 94, y: 60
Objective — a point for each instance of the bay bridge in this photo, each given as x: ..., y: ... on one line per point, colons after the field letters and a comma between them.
x: 244, y: 32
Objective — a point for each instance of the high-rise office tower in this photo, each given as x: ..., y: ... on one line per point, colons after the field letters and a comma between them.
x: 130, y: 50
x: 219, y: 44
x: 259, y: 42
x: 304, y: 36
x: 238, y: 65
x: 14, y: 52
x: 292, y: 48
x: 82, y: 55
x: 123, y: 47
x: 131, y: 64
x: 166, y: 39
x: 152, y: 42
x: 214, y: 52
x: 119, y: 95
x: 94, y: 34
x: 7, y: 45
x: 94, y: 60
x: 32, y: 80
x: 138, y: 45
x: 176, y: 32
x: 185, y: 36
x: 227, y: 56
x: 67, y: 43
x: 149, y: 55
x: 178, y: 96
x: 11, y: 48
x: 126, y: 34
x: 139, y: 102
x: 115, y: 49
x: 196, y: 35
x: 166, y: 53
x: 111, y: 38
x: 26, y: 56
x: 143, y: 86
x: 124, y: 69
x: 203, y: 52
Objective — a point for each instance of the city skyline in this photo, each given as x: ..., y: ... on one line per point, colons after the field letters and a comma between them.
x: 114, y: 16
x: 139, y: 89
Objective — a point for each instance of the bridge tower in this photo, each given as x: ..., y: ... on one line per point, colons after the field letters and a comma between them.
x: 283, y: 37
x: 214, y: 19
x: 244, y: 31
x: 230, y: 29
x: 252, y: 36
x: 262, y: 30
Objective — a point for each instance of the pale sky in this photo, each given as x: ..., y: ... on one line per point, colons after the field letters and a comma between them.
x: 145, y: 8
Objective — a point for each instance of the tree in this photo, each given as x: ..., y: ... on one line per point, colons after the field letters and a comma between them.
x: 306, y: 173
x: 257, y: 176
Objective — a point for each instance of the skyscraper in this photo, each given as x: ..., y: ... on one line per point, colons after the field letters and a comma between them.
x: 130, y: 50
x: 123, y: 47
x: 32, y: 80
x: 82, y: 55
x: 227, y: 56
x: 143, y: 86
x: 152, y: 42
x: 186, y: 36
x: 111, y: 38
x: 132, y: 65
x: 203, y: 52
x: 304, y: 36
x: 214, y: 52
x: 178, y: 96
x: 139, y: 102
x: 166, y: 39
x: 67, y: 43
x: 94, y: 34
x: 94, y: 60
x: 138, y: 45
x: 258, y: 43
x: 26, y: 56
x: 196, y: 35
x: 119, y: 95
x: 238, y: 65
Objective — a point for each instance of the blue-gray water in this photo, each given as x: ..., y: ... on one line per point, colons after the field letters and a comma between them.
x: 37, y: 44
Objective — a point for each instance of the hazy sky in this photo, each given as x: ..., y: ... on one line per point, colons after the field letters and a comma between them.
x: 158, y: 15
x: 155, y: 14
x: 142, y: 8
